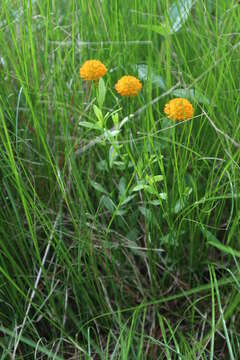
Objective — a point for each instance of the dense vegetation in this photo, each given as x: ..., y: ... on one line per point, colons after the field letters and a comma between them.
x: 119, y: 228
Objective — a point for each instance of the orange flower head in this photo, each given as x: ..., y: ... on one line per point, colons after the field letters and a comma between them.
x: 128, y: 86
x: 179, y: 109
x: 92, y: 70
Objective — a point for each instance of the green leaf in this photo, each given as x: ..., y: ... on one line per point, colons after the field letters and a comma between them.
x: 108, y: 203
x: 155, y: 179
x: 144, y: 73
x: 150, y: 189
x: 201, y: 98
x: 122, y: 186
x: 128, y: 199
x: 89, y: 125
x: 101, y: 92
x: 108, y: 134
x: 159, y: 29
x: 140, y: 186
x: 146, y: 213
x: 171, y: 238
x: 98, y: 187
x: 115, y: 119
x: 121, y: 212
x: 177, y: 15
x: 113, y: 154
x: 102, y: 165
x: 120, y: 165
x: 181, y: 203
x: 99, y: 115
x: 163, y: 196
x: 110, y: 206
x: 192, y: 94
x: 157, y: 202
x: 133, y: 234
x: 213, y: 241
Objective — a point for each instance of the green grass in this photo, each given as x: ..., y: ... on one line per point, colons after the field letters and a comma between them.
x: 119, y: 245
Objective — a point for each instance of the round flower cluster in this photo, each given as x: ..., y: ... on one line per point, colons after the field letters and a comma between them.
x: 92, y: 70
x: 179, y: 109
x: 128, y: 86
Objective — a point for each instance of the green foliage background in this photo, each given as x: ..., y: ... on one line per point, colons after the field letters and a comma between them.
x: 119, y: 244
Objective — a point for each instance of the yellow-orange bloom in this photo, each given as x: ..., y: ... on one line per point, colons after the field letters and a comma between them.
x: 179, y: 109
x: 92, y: 70
x: 128, y: 86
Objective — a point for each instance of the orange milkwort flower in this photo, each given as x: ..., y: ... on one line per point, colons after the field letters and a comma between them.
x: 128, y: 86
x: 92, y: 70
x: 179, y: 109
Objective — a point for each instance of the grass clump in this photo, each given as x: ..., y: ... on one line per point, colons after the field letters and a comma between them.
x: 119, y: 226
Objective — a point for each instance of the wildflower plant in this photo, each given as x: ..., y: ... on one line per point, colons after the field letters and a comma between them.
x: 128, y: 86
x: 100, y: 119
x: 179, y: 109
x: 92, y: 70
